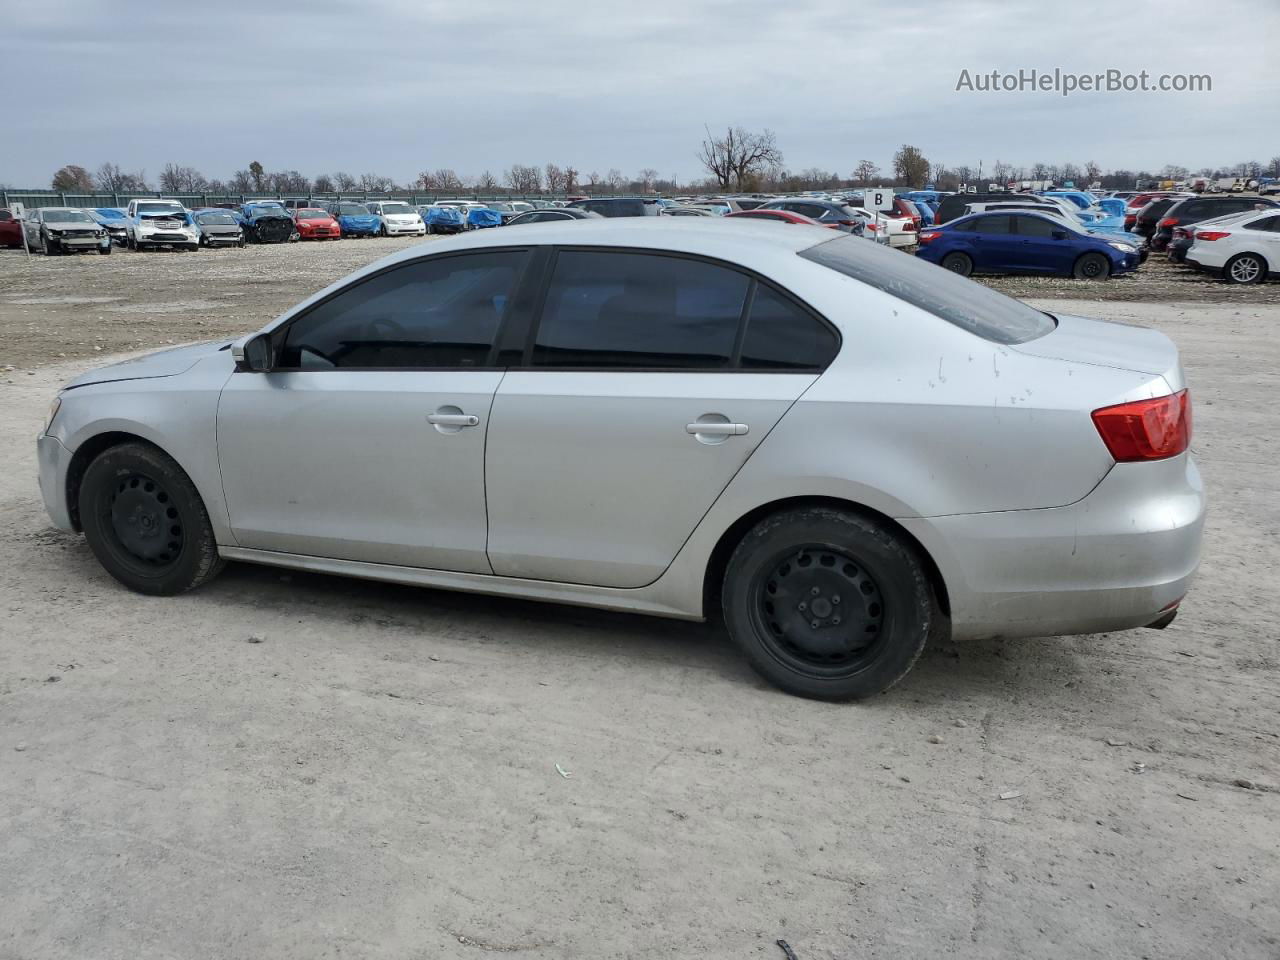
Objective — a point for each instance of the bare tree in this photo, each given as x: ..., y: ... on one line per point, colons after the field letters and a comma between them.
x: 614, y: 179
x: 521, y: 178
x: 486, y: 183
x: 910, y: 166
x: 739, y: 155
x: 555, y: 178
x: 111, y: 179
x: 72, y: 177
x: 179, y: 179
x: 376, y: 183
x: 344, y: 181
x: 289, y: 181
x: 1273, y: 168
x: 593, y: 181
x: 1092, y: 172
x: 323, y: 184
x: 865, y: 172
x: 648, y: 177
x: 242, y: 182
x: 1039, y: 171
x: 570, y: 179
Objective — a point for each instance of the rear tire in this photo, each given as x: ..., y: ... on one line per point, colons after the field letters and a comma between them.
x: 960, y: 263
x: 145, y: 522
x: 829, y: 604
x: 1245, y: 268
x: 1092, y: 266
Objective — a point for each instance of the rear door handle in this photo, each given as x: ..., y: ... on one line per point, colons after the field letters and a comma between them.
x: 716, y: 429
x: 453, y: 419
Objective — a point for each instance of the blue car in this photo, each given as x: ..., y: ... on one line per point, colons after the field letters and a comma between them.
x: 443, y: 219
x: 1081, y: 199
x: 355, y: 219
x: 482, y: 217
x: 1025, y: 243
x: 114, y: 221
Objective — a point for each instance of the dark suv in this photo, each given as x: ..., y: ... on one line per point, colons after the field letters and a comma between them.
x: 620, y: 206
x: 1197, y: 209
x: 1145, y: 224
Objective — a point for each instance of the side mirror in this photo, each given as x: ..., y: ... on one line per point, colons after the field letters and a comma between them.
x: 253, y: 355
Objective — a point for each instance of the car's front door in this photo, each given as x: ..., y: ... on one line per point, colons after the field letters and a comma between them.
x: 648, y: 382
x: 366, y: 442
x: 1041, y: 246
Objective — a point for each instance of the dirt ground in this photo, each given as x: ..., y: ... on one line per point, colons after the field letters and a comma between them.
x: 379, y: 776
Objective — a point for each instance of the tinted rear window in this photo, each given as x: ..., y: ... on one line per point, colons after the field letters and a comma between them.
x: 969, y: 305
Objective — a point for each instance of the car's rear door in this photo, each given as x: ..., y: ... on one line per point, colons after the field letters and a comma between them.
x: 642, y: 392
x: 366, y: 442
x: 993, y: 245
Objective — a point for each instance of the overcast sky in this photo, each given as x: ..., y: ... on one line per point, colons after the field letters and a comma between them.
x: 397, y: 86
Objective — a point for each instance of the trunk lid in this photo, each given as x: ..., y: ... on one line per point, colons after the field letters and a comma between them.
x: 1109, y: 343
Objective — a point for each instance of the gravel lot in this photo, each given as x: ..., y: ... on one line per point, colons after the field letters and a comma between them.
x: 377, y: 778
x: 66, y: 307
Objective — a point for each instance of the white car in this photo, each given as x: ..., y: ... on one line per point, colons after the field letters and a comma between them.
x: 901, y: 230
x: 160, y: 223
x: 875, y: 226
x: 398, y: 218
x: 1244, y: 248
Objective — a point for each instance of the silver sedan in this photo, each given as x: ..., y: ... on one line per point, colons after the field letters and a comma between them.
x: 845, y: 451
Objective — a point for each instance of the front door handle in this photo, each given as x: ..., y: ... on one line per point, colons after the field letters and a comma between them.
x: 453, y: 419
x: 716, y: 429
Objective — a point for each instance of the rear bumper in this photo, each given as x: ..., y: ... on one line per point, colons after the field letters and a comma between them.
x: 1115, y: 560
x: 54, y: 460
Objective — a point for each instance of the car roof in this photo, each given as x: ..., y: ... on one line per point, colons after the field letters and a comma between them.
x: 706, y: 236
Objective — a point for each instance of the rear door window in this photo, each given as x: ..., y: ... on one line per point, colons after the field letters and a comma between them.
x: 998, y: 223
x: 620, y: 310
x: 782, y: 335
x: 1034, y: 227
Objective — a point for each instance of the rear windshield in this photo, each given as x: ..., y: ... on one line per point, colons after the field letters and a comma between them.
x: 965, y: 303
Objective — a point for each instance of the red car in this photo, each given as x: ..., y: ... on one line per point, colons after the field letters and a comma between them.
x: 10, y: 229
x: 784, y: 216
x: 316, y: 224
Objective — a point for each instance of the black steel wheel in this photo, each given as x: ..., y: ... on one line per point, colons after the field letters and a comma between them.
x: 957, y: 262
x: 145, y: 521
x: 823, y: 609
x: 1092, y: 266
x: 829, y: 604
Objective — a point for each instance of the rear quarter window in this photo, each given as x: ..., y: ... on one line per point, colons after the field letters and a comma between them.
x: 948, y: 296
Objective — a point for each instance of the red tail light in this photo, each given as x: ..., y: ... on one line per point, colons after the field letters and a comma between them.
x: 909, y: 227
x: 1211, y: 234
x: 926, y: 236
x: 1146, y: 429
x: 1169, y: 222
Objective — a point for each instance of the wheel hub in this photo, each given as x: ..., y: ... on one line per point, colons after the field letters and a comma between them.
x: 821, y: 606
x: 144, y: 521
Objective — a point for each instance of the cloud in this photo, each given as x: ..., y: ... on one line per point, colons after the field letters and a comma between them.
x: 395, y: 86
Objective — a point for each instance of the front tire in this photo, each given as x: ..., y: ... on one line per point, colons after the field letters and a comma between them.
x: 105, y: 251
x: 145, y: 522
x: 829, y: 604
x: 1245, y: 268
x: 49, y: 246
x: 960, y: 263
x: 1092, y: 266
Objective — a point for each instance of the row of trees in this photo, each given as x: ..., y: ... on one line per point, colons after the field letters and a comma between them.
x: 737, y: 160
